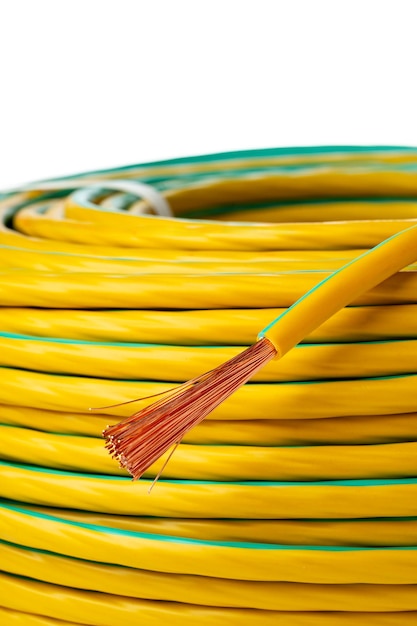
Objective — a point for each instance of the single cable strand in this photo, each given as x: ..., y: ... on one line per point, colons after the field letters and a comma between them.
x: 141, y: 439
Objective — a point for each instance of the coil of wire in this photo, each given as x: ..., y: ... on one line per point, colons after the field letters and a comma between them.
x: 295, y: 502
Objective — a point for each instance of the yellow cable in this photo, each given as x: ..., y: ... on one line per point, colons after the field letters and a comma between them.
x: 106, y: 610
x: 178, y: 363
x: 219, y: 463
x: 193, y: 590
x: 348, y: 430
x: 342, y: 288
x: 202, y: 327
x: 199, y: 499
x: 296, y: 499
x: 273, y: 563
x: 345, y: 532
x: 296, y: 400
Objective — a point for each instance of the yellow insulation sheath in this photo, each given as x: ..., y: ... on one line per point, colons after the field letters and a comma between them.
x: 342, y: 288
x: 377, y: 565
x: 199, y: 499
x: 17, y: 618
x: 362, y: 532
x: 98, y: 610
x: 39, y: 289
x: 221, y: 462
x: 193, y: 590
x: 205, y: 327
x: 175, y: 363
x: 348, y: 430
x: 294, y: 400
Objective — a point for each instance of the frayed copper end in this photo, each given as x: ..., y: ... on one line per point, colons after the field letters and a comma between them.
x: 140, y: 440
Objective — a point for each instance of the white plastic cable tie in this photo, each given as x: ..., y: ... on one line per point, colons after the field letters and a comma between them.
x: 142, y: 190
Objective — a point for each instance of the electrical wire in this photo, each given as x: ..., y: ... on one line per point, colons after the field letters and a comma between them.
x: 295, y: 501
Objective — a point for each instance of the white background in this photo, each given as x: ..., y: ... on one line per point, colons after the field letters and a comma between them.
x: 90, y: 84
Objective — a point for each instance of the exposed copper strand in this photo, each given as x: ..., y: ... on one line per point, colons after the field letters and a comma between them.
x: 140, y: 440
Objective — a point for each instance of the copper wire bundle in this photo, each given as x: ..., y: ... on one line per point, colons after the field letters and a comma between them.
x: 143, y: 438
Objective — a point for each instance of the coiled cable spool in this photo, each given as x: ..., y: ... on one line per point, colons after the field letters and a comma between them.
x: 295, y: 501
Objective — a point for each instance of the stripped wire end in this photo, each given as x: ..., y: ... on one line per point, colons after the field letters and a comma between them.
x: 140, y: 440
